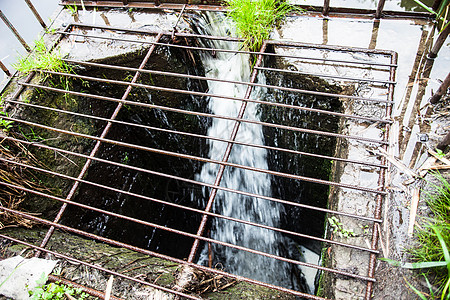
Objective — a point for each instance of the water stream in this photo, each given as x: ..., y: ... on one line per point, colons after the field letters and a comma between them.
x: 236, y: 67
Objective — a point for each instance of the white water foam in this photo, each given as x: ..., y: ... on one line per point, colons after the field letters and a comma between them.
x: 236, y: 67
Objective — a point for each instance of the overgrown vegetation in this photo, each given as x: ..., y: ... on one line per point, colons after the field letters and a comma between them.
x: 42, y: 59
x: 434, y: 236
x: 254, y: 19
x: 442, y: 13
x: 431, y: 254
x: 57, y: 291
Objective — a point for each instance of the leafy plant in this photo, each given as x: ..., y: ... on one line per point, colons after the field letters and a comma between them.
x: 42, y: 59
x: 254, y: 19
x: 56, y: 291
x: 432, y: 251
x: 5, y: 124
x: 442, y: 13
x: 339, y: 229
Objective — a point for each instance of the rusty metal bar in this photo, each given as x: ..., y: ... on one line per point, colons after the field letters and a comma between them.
x: 143, y: 251
x: 168, y: 229
x: 232, y: 39
x: 382, y: 184
x: 441, y: 90
x: 366, y: 163
x: 298, y: 129
x: 77, y: 62
x: 5, y: 69
x: 379, y: 9
x: 182, y: 206
x: 90, y: 291
x: 436, y: 4
x: 192, y: 157
x: 440, y: 41
x: 14, y: 31
x: 326, y: 7
x: 325, y: 75
x: 212, y: 5
x: 234, y: 51
x: 285, y: 202
x: 97, y: 146
x: 202, y: 94
x: 36, y: 14
x: 77, y: 261
x: 234, y: 82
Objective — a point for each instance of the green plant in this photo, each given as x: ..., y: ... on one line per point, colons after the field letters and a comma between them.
x: 56, y: 291
x: 5, y: 124
x: 42, y: 59
x: 339, y: 229
x: 442, y: 13
x: 433, y: 239
x: 254, y: 19
x: 73, y: 9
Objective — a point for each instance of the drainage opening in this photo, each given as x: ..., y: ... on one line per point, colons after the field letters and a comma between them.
x: 188, y: 151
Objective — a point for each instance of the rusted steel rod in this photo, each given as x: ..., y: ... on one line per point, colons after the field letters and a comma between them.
x: 442, y: 90
x: 191, y: 181
x: 168, y: 229
x: 14, y: 31
x: 324, y: 75
x: 77, y: 62
x: 77, y: 261
x: 211, y: 7
x: 231, y: 39
x: 191, y: 157
x: 36, y: 14
x: 381, y: 184
x: 439, y: 41
x: 5, y: 69
x: 298, y: 129
x: 379, y: 9
x: 444, y: 143
x: 436, y: 5
x: 88, y: 290
x: 199, y: 211
x: 97, y: 146
x: 366, y: 163
x: 147, y: 252
x: 326, y: 7
x: 202, y: 94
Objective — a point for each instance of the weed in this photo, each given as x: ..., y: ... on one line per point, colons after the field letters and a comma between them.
x: 338, y: 228
x: 42, y: 59
x: 433, y: 239
x: 254, y: 19
x: 442, y: 12
x: 5, y: 125
x: 56, y: 291
x: 73, y: 9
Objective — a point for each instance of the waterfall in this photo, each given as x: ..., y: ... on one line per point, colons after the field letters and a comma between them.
x: 230, y: 66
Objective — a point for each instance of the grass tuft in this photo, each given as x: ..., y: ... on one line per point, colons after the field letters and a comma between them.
x: 42, y: 59
x: 254, y: 19
x: 434, y: 236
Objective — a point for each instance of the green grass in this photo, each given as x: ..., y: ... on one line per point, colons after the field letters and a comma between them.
x: 41, y: 59
x: 431, y: 252
x: 434, y: 236
x: 254, y: 19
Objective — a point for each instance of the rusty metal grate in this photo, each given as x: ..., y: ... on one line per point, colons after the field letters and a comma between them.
x: 90, y: 32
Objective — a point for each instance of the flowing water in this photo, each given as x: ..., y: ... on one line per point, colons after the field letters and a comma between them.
x: 236, y: 67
